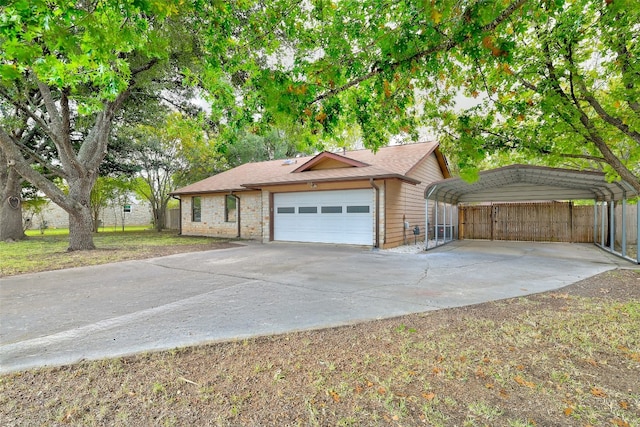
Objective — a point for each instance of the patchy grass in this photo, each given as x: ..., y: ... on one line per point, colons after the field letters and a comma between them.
x: 48, y: 251
x: 565, y: 358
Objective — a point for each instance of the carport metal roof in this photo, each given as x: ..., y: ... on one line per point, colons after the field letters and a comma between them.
x: 529, y: 183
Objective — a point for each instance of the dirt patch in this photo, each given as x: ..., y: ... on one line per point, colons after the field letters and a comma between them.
x: 564, y: 358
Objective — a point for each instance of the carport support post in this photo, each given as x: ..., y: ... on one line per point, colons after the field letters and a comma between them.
x: 451, y: 222
x: 426, y: 223
x: 443, y: 219
x: 612, y: 226
x: 595, y: 221
x: 623, y: 240
x: 435, y: 228
x: 638, y: 231
x: 444, y: 222
x: 602, y: 225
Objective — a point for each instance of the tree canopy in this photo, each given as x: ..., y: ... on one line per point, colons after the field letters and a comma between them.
x: 555, y: 81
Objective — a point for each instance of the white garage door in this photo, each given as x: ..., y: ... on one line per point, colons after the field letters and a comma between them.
x: 342, y: 216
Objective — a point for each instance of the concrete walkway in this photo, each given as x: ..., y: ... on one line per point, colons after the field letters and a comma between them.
x: 65, y: 316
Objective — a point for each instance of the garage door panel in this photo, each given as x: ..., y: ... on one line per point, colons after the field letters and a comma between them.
x: 343, y: 216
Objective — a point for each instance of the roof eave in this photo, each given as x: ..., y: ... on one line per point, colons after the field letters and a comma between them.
x: 440, y: 158
x: 195, y: 193
x: 260, y: 185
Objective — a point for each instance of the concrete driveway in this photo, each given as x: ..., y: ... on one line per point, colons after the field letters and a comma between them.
x: 65, y: 316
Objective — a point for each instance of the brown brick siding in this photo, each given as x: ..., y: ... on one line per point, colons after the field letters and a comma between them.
x: 212, y: 221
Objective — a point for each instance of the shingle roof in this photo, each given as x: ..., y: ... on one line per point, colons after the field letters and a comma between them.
x: 388, y: 162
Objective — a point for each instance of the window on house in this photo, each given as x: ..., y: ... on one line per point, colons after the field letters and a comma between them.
x: 331, y: 209
x: 308, y: 209
x: 230, y: 208
x: 196, y: 209
x: 286, y: 210
x: 357, y: 209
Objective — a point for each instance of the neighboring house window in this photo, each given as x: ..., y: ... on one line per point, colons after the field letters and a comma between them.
x: 231, y: 209
x: 196, y: 209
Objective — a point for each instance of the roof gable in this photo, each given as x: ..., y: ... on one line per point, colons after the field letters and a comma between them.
x: 327, y: 160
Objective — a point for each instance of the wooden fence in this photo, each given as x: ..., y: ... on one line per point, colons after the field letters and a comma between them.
x: 172, y: 219
x: 538, y: 222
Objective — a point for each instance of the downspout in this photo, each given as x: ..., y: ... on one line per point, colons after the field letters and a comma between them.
x: 377, y: 220
x: 237, y: 213
x: 179, y: 214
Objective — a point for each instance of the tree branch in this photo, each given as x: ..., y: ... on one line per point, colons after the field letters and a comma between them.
x: 623, y: 59
x: 145, y: 67
x: 614, y: 121
x: 444, y: 46
x: 33, y: 155
x: 52, y: 110
x: 94, y: 147
x: 63, y: 141
x: 590, y: 98
x: 16, y: 161
x: 36, y: 118
x: 583, y: 156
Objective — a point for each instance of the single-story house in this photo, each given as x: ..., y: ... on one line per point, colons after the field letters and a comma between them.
x: 355, y: 197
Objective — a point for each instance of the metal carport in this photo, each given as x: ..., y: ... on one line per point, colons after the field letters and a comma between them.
x: 517, y: 183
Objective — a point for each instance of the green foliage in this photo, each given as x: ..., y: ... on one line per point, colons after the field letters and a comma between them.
x: 552, y: 82
x: 244, y: 146
x: 109, y: 191
x: 70, y: 45
x: 68, y: 67
x: 558, y: 88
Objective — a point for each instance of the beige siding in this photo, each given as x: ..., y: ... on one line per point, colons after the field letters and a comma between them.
x: 212, y: 221
x: 405, y: 202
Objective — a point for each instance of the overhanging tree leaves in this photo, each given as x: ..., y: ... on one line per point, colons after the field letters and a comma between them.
x: 371, y: 64
x: 560, y: 85
x: 558, y: 79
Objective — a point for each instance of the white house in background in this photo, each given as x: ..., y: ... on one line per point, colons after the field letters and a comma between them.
x: 137, y: 213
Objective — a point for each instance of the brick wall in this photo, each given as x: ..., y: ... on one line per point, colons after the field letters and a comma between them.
x: 212, y: 217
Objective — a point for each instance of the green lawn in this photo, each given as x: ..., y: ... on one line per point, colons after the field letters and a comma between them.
x: 48, y: 251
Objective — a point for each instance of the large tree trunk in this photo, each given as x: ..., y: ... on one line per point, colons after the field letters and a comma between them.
x: 10, y: 203
x: 81, y: 230
x: 11, y: 212
x: 81, y: 217
x: 159, y: 215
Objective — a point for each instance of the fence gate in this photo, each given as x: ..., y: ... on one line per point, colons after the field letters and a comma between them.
x: 537, y: 222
